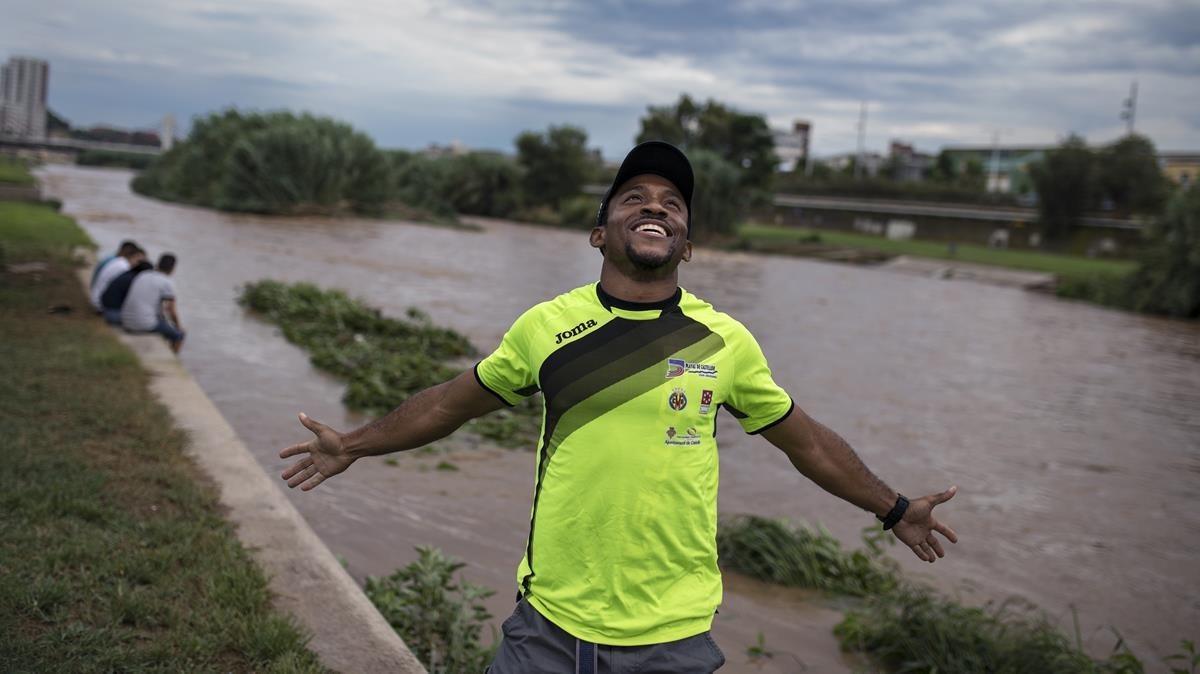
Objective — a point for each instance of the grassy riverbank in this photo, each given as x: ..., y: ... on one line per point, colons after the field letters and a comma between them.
x: 115, y: 557
x: 14, y: 172
x: 797, y: 240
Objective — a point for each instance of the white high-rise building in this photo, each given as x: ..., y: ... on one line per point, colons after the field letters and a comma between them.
x: 23, y: 86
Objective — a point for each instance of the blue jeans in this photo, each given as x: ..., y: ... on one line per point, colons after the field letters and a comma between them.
x: 164, y: 328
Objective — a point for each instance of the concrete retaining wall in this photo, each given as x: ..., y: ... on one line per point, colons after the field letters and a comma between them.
x: 307, y: 581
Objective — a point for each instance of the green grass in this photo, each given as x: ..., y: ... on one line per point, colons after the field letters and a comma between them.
x: 14, y: 172
x: 33, y: 231
x: 764, y: 237
x: 114, y: 557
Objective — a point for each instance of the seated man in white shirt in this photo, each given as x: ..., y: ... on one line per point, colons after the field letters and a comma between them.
x: 129, y: 255
x: 151, y: 302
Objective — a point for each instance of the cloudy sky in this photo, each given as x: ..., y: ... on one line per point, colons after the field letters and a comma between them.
x: 480, y: 71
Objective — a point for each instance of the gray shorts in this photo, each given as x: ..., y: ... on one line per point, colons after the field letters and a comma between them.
x: 533, y: 645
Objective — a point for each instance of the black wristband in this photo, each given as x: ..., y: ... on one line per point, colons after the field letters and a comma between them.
x: 895, y: 514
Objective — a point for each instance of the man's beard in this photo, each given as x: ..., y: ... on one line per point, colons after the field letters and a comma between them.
x: 649, y: 262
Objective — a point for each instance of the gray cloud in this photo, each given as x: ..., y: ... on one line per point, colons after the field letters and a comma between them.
x: 934, y: 72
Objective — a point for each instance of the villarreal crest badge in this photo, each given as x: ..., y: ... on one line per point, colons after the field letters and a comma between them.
x: 678, y: 399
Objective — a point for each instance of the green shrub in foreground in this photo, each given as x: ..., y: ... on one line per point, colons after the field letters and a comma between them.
x: 440, y: 619
x: 777, y: 552
x: 915, y: 630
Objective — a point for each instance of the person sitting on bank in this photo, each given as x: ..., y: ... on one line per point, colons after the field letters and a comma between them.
x: 126, y: 245
x: 128, y: 257
x: 114, y: 297
x: 150, y: 304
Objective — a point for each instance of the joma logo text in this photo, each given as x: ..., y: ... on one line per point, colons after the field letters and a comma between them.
x: 568, y: 334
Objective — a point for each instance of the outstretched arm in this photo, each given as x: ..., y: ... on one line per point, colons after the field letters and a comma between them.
x: 825, y: 458
x: 429, y: 415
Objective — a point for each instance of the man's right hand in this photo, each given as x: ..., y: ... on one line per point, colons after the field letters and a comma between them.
x: 322, y: 457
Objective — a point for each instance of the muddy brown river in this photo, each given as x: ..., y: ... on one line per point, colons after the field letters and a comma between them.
x: 1072, y: 431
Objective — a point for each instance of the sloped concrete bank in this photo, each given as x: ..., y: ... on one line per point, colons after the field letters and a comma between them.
x: 308, y: 582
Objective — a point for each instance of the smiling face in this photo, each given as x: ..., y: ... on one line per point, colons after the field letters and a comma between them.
x: 647, y: 226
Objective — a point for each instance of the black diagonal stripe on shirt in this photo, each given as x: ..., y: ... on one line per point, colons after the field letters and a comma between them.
x: 558, y: 372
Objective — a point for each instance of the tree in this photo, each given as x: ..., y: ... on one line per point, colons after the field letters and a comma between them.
x: 945, y: 169
x: 1065, y: 181
x: 1167, y: 279
x: 556, y: 163
x: 741, y: 139
x: 719, y: 201
x: 1130, y: 176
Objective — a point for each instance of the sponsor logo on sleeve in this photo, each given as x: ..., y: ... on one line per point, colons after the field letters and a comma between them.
x: 677, y: 400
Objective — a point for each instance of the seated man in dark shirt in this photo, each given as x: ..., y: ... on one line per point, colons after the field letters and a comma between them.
x: 114, y: 295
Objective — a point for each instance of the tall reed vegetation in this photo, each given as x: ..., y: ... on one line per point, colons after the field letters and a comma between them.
x: 276, y: 162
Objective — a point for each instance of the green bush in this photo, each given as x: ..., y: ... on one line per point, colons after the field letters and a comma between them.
x: 476, y: 183
x: 777, y: 552
x: 439, y: 618
x: 578, y: 212
x: 274, y: 162
x: 385, y: 360
x: 914, y: 630
x: 1167, y: 280
x: 483, y: 183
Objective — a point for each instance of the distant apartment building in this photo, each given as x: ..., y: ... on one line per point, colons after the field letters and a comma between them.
x: 791, y: 147
x: 23, y: 86
x: 906, y: 164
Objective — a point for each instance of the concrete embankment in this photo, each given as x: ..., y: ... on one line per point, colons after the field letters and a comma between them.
x: 308, y: 582
x: 979, y: 273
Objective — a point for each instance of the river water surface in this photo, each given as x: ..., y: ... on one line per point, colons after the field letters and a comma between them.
x: 1072, y: 431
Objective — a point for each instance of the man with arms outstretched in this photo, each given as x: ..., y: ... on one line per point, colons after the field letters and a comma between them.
x: 620, y: 567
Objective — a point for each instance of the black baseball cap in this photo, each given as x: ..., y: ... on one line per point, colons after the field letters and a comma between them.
x: 658, y: 158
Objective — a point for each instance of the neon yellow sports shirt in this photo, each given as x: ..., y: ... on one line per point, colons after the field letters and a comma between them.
x: 622, y: 535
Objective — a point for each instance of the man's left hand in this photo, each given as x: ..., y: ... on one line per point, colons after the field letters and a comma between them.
x: 916, y: 528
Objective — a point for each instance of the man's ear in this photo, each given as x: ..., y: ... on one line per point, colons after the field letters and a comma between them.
x: 596, y: 238
x: 687, y: 251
